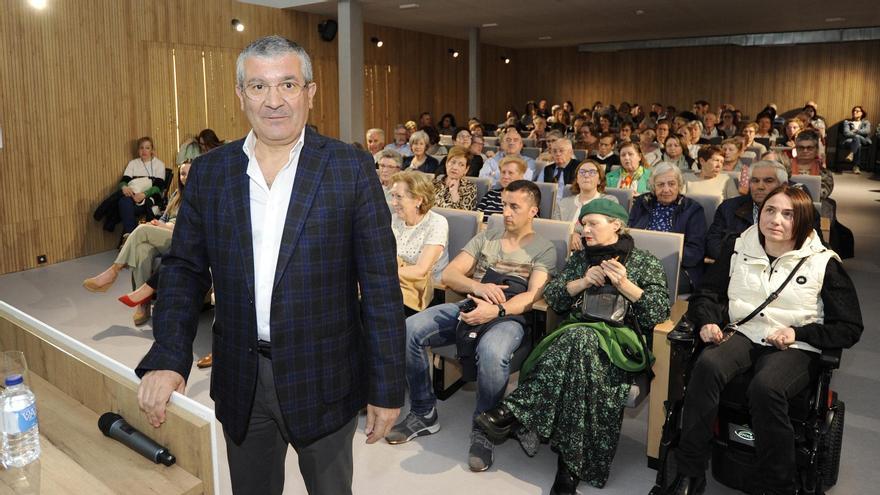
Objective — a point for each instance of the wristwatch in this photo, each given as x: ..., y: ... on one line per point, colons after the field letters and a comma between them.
x: 501, y: 311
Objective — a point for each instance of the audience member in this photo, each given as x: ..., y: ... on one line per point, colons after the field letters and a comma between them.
x: 512, y: 168
x: 447, y: 124
x: 589, y: 185
x: 511, y: 144
x: 587, y: 139
x: 434, y: 146
x: 204, y: 142
x: 857, y: 135
x: 400, y: 143
x: 633, y: 172
x: 626, y: 132
x: 663, y: 131
x: 782, y: 344
x: 650, y: 147
x: 693, y: 131
x: 425, y: 120
x: 711, y: 180
x: 808, y: 161
x: 749, y: 131
x: 453, y: 190
x: 765, y: 128
x: 142, y: 186
x: 666, y: 209
x: 675, y: 151
x: 139, y: 251
x: 728, y: 125
x: 710, y: 121
x: 390, y: 162
x: 462, y: 137
x: 572, y: 391
x: 539, y: 132
x: 815, y: 121
x: 375, y: 142
x: 420, y: 160
x: 561, y: 171
x: 503, y: 271
x: 605, y: 153
x: 421, y: 236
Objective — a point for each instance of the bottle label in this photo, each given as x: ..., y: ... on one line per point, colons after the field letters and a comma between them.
x: 20, y: 421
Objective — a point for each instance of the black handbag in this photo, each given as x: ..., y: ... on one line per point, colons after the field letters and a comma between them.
x: 605, y: 304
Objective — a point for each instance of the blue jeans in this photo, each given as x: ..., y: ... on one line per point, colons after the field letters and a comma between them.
x: 855, y: 144
x: 435, y: 327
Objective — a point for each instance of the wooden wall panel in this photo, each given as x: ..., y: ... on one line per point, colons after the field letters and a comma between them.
x: 837, y: 76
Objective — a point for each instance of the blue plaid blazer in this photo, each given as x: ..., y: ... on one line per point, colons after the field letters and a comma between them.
x: 332, y: 351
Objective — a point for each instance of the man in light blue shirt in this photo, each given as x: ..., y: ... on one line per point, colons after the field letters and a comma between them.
x: 511, y: 143
x: 400, y: 143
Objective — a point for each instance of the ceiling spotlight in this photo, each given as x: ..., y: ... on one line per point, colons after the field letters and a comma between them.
x: 453, y: 52
x: 237, y: 25
x: 640, y: 12
x: 37, y: 4
x: 376, y: 41
x: 545, y: 38
x: 405, y: 6
x: 490, y: 25
x: 506, y: 60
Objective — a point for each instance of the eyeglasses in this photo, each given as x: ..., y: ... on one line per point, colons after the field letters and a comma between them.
x: 287, y: 89
x: 805, y: 148
x: 587, y: 172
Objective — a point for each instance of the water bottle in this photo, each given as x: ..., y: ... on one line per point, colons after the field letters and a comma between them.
x: 20, y: 443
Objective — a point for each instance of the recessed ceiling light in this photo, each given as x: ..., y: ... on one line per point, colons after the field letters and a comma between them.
x: 404, y: 6
x: 490, y: 25
x: 640, y: 12
x: 835, y: 19
x: 38, y: 4
x: 545, y: 38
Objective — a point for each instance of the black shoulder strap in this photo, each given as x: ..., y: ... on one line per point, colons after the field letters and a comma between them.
x: 772, y: 297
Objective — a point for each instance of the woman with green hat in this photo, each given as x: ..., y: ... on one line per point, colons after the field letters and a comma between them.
x: 574, y: 385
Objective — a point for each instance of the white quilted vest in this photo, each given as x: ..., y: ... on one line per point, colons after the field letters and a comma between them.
x: 753, y: 278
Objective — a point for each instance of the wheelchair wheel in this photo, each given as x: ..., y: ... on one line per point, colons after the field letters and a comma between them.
x: 831, y: 446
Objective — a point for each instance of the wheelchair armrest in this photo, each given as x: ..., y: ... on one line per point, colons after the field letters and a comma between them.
x: 830, y: 358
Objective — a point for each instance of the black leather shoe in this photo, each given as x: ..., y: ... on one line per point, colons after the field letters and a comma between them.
x: 687, y: 485
x: 566, y: 482
x: 497, y: 422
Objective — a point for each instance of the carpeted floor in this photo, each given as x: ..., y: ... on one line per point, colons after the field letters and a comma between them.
x: 438, y: 464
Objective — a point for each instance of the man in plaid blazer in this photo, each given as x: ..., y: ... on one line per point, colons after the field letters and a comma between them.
x: 293, y: 230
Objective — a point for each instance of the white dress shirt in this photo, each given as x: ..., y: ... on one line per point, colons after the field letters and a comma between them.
x: 268, y: 214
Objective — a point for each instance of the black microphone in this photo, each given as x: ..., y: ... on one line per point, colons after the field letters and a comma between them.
x: 115, y: 427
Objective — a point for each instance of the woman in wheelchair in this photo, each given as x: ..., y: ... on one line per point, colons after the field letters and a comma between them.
x: 744, y: 327
x: 575, y: 384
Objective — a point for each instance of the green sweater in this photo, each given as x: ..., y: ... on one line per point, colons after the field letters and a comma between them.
x: 642, y: 268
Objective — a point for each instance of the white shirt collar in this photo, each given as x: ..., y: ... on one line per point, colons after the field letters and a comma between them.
x: 251, y: 140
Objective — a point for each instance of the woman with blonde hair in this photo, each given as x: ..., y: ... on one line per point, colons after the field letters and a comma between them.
x: 422, y: 236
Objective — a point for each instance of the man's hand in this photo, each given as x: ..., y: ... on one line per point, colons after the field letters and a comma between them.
x: 711, y: 333
x: 781, y: 338
x: 483, y: 313
x: 380, y: 420
x: 155, y: 392
x: 491, y: 292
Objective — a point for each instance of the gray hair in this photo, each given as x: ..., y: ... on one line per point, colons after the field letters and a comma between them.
x: 781, y: 172
x: 420, y: 136
x: 399, y: 126
x: 271, y: 47
x: 663, y: 168
x: 389, y: 153
x: 376, y: 130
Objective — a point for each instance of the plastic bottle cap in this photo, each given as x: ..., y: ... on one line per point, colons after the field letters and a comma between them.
x: 14, y: 380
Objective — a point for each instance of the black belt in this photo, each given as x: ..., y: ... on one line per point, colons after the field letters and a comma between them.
x: 264, y: 348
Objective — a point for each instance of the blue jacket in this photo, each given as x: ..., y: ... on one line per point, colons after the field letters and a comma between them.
x: 688, y: 219
x: 332, y: 351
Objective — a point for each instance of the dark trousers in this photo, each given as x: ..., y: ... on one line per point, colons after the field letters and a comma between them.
x: 129, y: 211
x: 778, y: 376
x: 257, y: 465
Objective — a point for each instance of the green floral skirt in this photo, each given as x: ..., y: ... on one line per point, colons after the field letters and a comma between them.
x: 575, y: 397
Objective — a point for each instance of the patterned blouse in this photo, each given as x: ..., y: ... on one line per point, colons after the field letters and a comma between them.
x: 661, y: 218
x: 642, y: 268
x: 467, y: 194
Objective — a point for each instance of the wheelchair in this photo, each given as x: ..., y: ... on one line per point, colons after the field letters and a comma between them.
x: 816, y: 414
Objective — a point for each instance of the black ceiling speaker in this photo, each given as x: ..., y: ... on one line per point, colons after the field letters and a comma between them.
x: 327, y: 29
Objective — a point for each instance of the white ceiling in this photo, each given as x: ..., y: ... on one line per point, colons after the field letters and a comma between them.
x: 571, y: 22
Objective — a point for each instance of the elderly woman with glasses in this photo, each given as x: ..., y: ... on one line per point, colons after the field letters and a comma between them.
x: 818, y: 310
x: 633, y: 172
x: 589, y: 185
x: 572, y: 391
x: 665, y: 209
x: 390, y: 162
x: 463, y: 138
